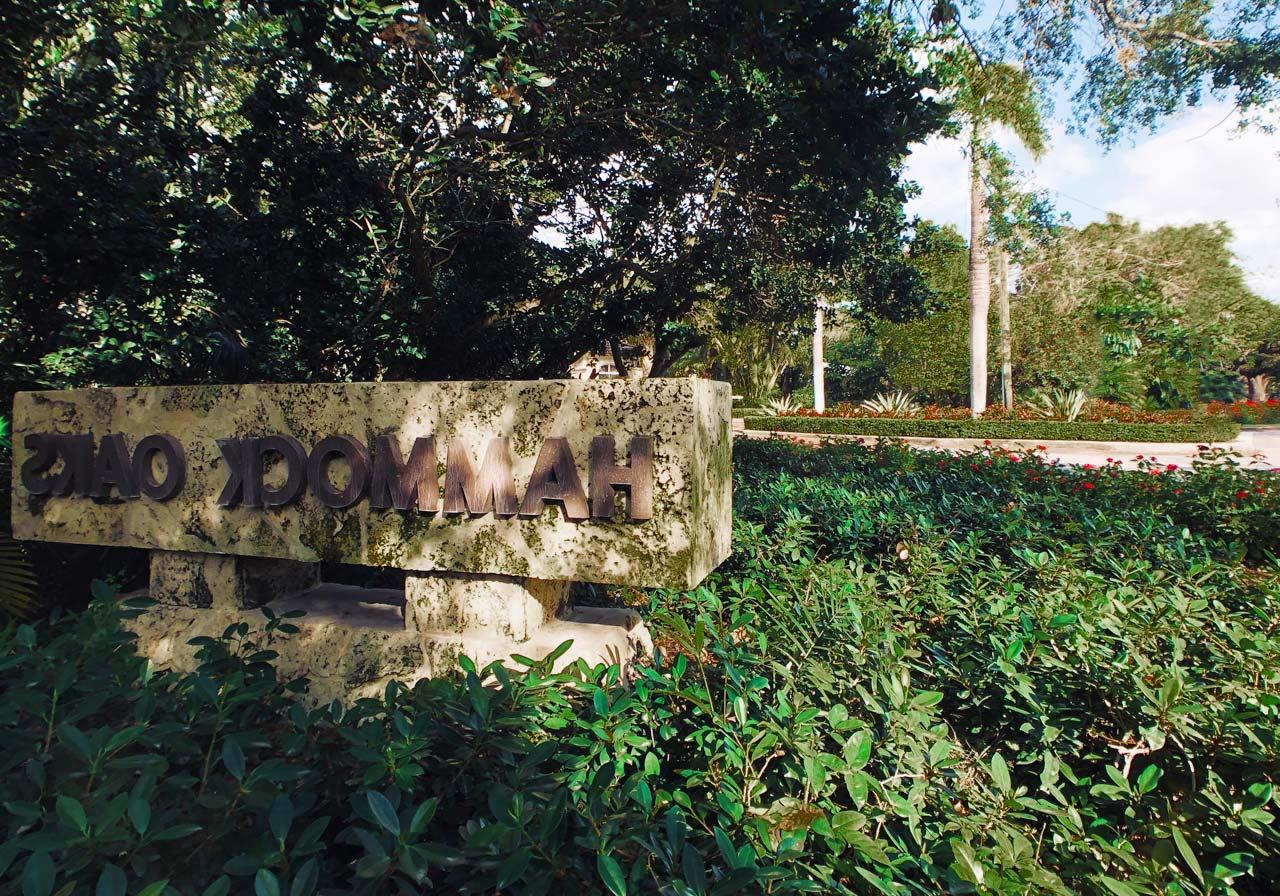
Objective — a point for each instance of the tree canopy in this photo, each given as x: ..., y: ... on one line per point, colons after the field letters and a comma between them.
x: 929, y: 356
x: 286, y: 190
x: 1193, y: 264
x: 1128, y: 64
x: 1140, y: 290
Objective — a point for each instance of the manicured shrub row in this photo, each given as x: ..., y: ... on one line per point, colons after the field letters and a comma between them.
x: 1213, y: 429
x: 918, y: 673
x: 1093, y: 411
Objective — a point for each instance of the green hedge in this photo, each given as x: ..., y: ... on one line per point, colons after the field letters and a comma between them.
x: 1209, y: 429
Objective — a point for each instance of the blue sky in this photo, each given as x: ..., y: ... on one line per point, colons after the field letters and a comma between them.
x: 1198, y: 167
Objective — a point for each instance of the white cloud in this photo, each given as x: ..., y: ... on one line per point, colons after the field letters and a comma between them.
x: 940, y: 168
x: 1199, y: 167
x: 1205, y: 169
x: 1070, y: 159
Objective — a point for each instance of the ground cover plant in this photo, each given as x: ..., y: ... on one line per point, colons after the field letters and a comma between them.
x: 918, y: 673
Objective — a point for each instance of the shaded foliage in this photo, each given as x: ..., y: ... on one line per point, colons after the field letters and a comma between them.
x: 286, y: 191
x: 918, y: 671
x: 17, y: 580
x: 930, y: 356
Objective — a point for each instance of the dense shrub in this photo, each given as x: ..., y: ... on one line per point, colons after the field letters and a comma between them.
x: 1206, y: 429
x: 918, y: 673
x: 1217, y: 385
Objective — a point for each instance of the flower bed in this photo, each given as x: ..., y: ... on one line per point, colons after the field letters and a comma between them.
x: 1202, y: 429
x: 1094, y: 411
x: 1249, y: 412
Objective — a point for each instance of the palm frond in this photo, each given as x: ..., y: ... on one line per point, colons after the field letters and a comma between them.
x: 17, y: 578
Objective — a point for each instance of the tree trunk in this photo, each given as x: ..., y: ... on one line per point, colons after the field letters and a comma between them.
x: 1006, y: 329
x: 663, y: 357
x: 979, y: 285
x: 819, y: 363
x: 1258, y: 385
x: 619, y: 362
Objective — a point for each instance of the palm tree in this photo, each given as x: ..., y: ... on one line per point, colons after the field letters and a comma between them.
x: 988, y: 94
x: 752, y: 355
x: 1006, y: 327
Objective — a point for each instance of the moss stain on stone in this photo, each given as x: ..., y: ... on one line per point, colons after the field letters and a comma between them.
x: 488, y: 551
x: 386, y: 542
x: 194, y: 526
x: 331, y: 544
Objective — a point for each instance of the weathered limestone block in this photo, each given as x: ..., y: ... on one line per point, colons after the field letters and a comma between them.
x: 240, y: 492
x: 211, y: 580
x: 686, y: 419
x: 510, y: 607
x: 343, y: 657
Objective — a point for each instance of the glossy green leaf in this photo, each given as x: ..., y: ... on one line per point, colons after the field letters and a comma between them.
x: 384, y: 812
x: 611, y: 875
x: 265, y: 883
x: 111, y: 881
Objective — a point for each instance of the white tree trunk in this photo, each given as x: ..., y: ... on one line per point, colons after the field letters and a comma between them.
x: 819, y: 363
x: 979, y: 286
x: 1258, y: 385
x: 1006, y: 329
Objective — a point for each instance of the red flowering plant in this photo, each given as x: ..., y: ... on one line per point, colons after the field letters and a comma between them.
x: 1217, y: 493
x: 1248, y: 412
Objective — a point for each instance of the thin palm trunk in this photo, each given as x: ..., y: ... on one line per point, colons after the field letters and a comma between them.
x: 819, y: 362
x: 979, y: 284
x: 1006, y: 328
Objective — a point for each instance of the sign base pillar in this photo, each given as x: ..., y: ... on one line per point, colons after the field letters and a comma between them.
x: 510, y: 607
x: 185, y: 579
x: 353, y: 641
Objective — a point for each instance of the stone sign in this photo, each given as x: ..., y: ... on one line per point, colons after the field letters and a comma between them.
x: 491, y: 495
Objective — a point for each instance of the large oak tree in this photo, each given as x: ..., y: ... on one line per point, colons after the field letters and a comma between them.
x: 296, y: 189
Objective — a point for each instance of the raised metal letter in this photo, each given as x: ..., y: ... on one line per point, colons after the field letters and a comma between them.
x: 294, y: 455
x: 493, y: 489
x: 45, y: 454
x: 236, y: 490
x: 175, y: 462
x: 555, y: 479
x: 76, y: 477
x: 357, y: 458
x: 636, y: 479
x: 398, y: 484
x: 111, y: 467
